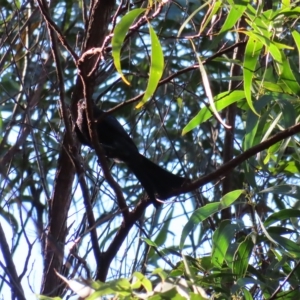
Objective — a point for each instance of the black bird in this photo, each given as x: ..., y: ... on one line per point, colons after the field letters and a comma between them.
x: 118, y: 145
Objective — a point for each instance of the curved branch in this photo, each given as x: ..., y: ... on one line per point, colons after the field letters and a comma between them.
x: 112, y: 250
x: 230, y: 165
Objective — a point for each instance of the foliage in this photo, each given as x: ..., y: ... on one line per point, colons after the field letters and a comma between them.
x: 209, y: 90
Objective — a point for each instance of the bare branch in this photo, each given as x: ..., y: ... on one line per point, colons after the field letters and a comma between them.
x: 10, y: 268
x: 44, y: 11
x: 229, y: 166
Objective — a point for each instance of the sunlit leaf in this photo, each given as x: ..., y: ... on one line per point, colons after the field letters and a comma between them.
x: 275, y: 87
x: 247, y: 294
x: 252, y: 52
x: 296, y: 36
x: 269, y: 45
x: 291, y: 12
x: 144, y: 281
x: 179, y: 102
x: 120, y: 286
x: 156, y: 68
x: 235, y: 13
x: 161, y: 273
x: 120, y: 33
x: 221, y: 101
x: 292, y: 167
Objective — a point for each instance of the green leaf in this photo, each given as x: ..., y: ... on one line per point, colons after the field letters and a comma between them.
x: 41, y: 297
x: 120, y: 32
x: 288, y: 11
x: 221, y: 101
x: 252, y: 122
x: 284, y: 214
x: 242, y: 282
x: 287, y: 76
x: 269, y: 44
x: 161, y: 273
x: 146, y: 283
x: 291, y: 190
x: 206, y: 211
x: 120, y: 286
x: 261, y: 24
x: 288, y: 112
x: 296, y: 36
x: 286, y: 3
x: 271, y: 126
x: 292, y: 167
x: 292, y: 248
x: 156, y: 68
x: 247, y: 294
x: 241, y: 257
x: 149, y: 242
x: 179, y: 102
x: 279, y: 87
x: 171, y: 294
x: 207, y: 87
x: 229, y: 198
x: 197, y: 296
x: 222, y: 238
x: 265, y: 231
x: 288, y: 295
x: 252, y: 52
x: 236, y: 11
x: 163, y: 233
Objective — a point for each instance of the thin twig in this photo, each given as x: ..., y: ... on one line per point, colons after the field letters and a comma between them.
x: 273, y: 296
x: 56, y: 29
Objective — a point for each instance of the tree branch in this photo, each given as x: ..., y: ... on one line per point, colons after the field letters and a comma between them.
x: 229, y: 166
x: 10, y: 268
